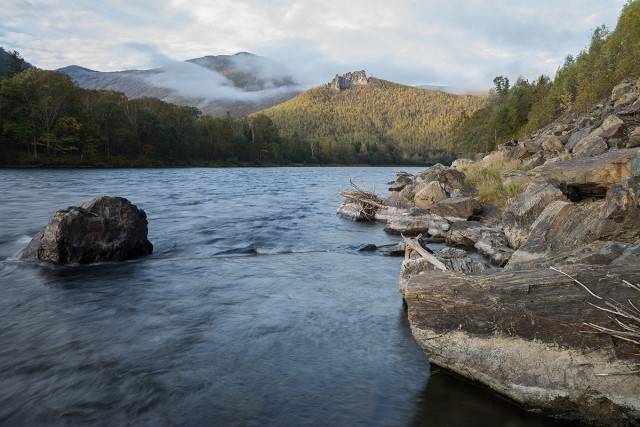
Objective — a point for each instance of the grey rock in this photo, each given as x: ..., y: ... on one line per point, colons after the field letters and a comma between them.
x: 450, y: 178
x: 519, y: 333
x: 562, y: 227
x: 593, y: 176
x: 592, y: 145
x: 104, y: 229
x: 438, y: 226
x: 432, y: 192
x: 456, y: 209
x: 411, y: 223
x: 521, y: 211
x: 577, y: 136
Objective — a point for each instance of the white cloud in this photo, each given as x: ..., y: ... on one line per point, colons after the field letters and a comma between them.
x: 457, y: 42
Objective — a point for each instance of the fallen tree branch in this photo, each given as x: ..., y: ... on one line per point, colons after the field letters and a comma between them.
x: 413, y: 244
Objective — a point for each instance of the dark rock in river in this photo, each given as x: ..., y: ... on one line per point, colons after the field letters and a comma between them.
x: 103, y: 229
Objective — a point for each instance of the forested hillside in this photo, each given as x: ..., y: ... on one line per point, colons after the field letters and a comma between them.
x: 46, y: 119
x: 11, y: 63
x: 582, y: 81
x: 378, y: 122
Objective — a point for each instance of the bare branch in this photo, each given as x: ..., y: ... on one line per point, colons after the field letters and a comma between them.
x: 575, y: 280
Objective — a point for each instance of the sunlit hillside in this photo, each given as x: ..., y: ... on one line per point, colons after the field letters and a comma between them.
x: 377, y: 117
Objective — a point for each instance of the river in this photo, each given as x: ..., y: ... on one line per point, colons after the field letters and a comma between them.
x: 255, y: 309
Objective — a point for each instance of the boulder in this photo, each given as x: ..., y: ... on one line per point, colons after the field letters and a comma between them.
x: 351, y: 210
x: 592, y: 176
x: 464, y: 191
x: 577, y: 136
x: 562, y: 227
x: 104, y: 229
x: 456, y: 209
x: 622, y: 89
x: 401, y: 182
x: 438, y: 226
x: 592, y: 145
x: 415, y: 221
x: 525, y: 150
x: 397, y: 200
x: 599, y: 252
x: 621, y: 216
x: 520, y: 333
x: 433, y: 192
x: 626, y: 99
x: 610, y: 122
x: 552, y: 146
x: 449, y: 178
x: 630, y: 257
x: 634, y: 138
x: 521, y: 211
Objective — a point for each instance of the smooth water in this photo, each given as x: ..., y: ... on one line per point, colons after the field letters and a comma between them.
x: 256, y: 308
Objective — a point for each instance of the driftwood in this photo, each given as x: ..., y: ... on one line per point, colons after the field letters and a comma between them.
x: 368, y: 203
x: 413, y: 244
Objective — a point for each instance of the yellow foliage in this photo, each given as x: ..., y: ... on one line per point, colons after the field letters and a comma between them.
x: 377, y: 114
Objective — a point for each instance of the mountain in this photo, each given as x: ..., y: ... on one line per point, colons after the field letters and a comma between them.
x: 239, y: 84
x: 371, y: 115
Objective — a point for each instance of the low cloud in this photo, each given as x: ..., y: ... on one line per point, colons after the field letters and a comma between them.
x: 259, y: 78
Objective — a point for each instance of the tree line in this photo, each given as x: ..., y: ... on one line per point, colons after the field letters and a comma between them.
x: 517, y: 110
x: 46, y: 119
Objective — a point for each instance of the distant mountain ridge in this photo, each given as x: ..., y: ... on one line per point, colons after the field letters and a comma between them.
x: 239, y: 84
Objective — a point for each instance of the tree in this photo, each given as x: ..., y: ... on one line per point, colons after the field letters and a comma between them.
x: 16, y: 64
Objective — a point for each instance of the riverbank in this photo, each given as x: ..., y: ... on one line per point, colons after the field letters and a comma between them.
x: 536, y: 305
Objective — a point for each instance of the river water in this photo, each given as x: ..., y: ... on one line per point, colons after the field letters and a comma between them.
x: 256, y: 308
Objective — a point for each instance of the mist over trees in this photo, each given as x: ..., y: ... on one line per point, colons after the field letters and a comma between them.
x: 582, y: 81
x: 46, y: 119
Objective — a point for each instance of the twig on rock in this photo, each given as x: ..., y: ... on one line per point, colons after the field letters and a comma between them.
x: 577, y: 281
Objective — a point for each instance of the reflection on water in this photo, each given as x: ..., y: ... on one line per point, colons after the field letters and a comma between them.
x: 255, y: 309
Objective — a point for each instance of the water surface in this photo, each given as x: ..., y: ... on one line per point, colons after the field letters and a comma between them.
x: 256, y: 308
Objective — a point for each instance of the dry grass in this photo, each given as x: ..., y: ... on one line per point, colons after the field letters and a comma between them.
x: 485, y: 176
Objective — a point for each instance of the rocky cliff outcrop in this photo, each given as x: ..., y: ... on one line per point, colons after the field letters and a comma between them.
x: 349, y: 80
x: 103, y: 229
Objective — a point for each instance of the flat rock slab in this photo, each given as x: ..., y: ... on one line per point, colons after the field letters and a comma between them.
x: 519, y: 332
x: 593, y: 175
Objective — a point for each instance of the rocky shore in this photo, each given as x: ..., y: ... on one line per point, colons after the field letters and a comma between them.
x: 537, y: 300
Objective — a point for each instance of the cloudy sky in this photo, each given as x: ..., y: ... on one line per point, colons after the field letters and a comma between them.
x: 461, y: 43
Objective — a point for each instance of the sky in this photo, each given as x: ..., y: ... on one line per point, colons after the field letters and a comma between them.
x: 462, y: 44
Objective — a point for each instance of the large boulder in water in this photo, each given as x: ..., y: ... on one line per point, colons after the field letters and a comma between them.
x: 104, y: 229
